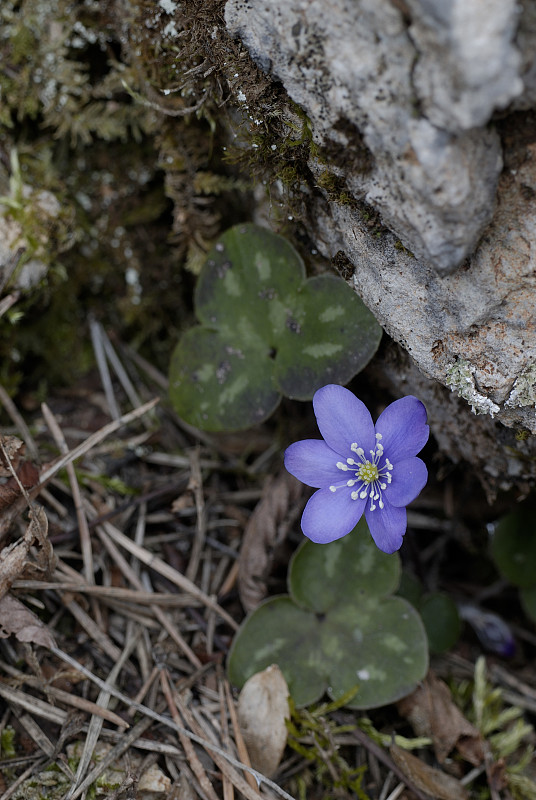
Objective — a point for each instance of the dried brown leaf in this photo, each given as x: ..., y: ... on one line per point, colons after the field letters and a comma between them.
x: 432, y: 712
x: 430, y: 781
x: 10, y: 491
x: 14, y: 450
x: 267, y: 528
x: 17, y: 560
x: 263, y: 708
x: 16, y: 619
x: 43, y: 560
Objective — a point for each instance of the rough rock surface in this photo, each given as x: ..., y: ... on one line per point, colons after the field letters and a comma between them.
x: 418, y: 82
x: 358, y: 62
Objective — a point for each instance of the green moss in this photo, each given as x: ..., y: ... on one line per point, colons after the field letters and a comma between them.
x: 95, y: 101
x: 399, y: 246
x: 7, y: 742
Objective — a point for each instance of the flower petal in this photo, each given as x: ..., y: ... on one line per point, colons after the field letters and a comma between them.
x: 331, y: 515
x: 403, y: 428
x: 387, y: 526
x: 313, y: 463
x: 409, y: 479
x: 343, y: 419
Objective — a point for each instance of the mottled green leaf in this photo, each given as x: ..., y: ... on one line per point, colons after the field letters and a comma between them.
x: 329, y: 336
x: 292, y: 335
x: 322, y: 575
x: 213, y: 388
x: 248, y: 273
x: 337, y: 628
x: 278, y: 632
x: 380, y: 644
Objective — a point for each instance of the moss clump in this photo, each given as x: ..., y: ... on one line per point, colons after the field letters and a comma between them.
x: 132, y: 179
x: 7, y: 742
x: 140, y: 122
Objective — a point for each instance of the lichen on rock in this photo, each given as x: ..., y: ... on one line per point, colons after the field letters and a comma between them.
x: 434, y: 95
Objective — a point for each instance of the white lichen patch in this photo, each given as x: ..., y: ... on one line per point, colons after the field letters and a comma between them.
x: 524, y: 390
x: 460, y: 379
x: 169, y: 6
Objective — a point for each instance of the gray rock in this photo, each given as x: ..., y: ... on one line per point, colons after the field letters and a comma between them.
x: 468, y: 64
x: 419, y: 82
x: 355, y: 61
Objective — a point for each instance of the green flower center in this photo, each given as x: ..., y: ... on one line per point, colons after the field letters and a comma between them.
x: 372, y: 477
x: 368, y: 473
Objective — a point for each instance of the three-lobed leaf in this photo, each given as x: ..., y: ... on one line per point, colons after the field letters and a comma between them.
x: 339, y: 626
x: 266, y: 331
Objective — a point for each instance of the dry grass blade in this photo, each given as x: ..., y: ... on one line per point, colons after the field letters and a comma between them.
x: 43, y: 742
x: 104, y: 372
x: 195, y: 485
x: 188, y: 748
x: 8, y: 301
x: 96, y: 722
x: 132, y: 576
x: 32, y: 704
x: 19, y: 423
x: 95, y: 439
x: 239, y: 739
x: 92, y: 629
x: 127, y: 740
x: 228, y: 790
x: 116, y: 593
x: 68, y: 698
x: 119, y: 369
x: 219, y: 758
x: 261, y: 779
x: 168, y: 572
x: 85, y: 538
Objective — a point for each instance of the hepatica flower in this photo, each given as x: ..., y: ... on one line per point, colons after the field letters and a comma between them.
x: 360, y: 467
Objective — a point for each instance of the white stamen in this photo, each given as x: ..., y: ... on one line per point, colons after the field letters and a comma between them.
x: 332, y: 488
x: 372, y: 475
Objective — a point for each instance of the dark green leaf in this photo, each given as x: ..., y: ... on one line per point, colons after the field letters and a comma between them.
x: 514, y: 547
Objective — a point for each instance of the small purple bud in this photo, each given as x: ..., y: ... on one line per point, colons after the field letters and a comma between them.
x: 492, y: 630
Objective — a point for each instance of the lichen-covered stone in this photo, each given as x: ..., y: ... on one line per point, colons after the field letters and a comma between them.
x: 453, y: 277
x: 357, y: 62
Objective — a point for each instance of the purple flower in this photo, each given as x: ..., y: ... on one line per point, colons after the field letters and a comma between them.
x: 360, y: 467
